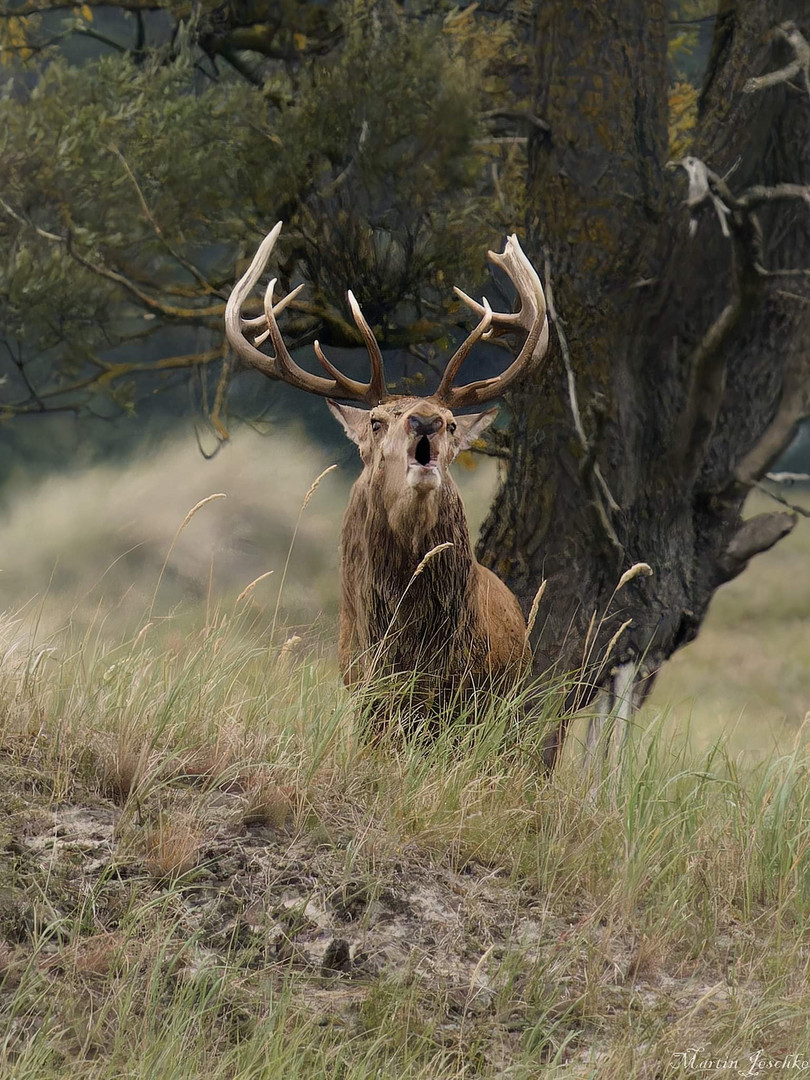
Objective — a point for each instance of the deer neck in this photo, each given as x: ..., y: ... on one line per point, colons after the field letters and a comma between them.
x: 420, y: 522
x: 379, y: 563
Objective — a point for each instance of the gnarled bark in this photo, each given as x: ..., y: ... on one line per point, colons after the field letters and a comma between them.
x: 690, y: 359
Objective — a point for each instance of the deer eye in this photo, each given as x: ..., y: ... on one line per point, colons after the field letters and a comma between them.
x: 451, y: 427
x: 376, y: 425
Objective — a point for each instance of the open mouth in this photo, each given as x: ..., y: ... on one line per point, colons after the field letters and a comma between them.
x: 423, y: 454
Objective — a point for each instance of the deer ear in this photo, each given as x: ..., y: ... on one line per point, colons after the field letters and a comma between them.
x: 470, y: 427
x: 353, y: 421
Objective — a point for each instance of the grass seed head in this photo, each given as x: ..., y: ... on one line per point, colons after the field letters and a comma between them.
x: 314, y: 485
x: 248, y: 589
x: 639, y: 569
x: 538, y: 596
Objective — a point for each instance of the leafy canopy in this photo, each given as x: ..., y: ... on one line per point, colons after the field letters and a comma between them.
x: 146, y: 148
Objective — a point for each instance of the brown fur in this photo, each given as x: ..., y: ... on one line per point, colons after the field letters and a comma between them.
x: 445, y: 617
x: 455, y: 622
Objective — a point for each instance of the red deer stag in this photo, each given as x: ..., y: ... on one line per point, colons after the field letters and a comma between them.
x: 445, y: 616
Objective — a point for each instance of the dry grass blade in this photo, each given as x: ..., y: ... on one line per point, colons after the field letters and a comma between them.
x: 288, y: 654
x: 248, y: 589
x: 312, y: 489
x: 242, y: 787
x: 639, y: 569
x: 314, y: 485
x: 588, y: 639
x: 427, y: 557
x: 194, y: 510
x: 538, y: 596
x: 615, y: 638
x: 172, y: 849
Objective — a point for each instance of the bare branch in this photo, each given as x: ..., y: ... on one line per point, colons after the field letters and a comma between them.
x: 788, y: 478
x: 707, y: 364
x: 780, y: 499
x: 346, y: 172
x: 800, y: 65
x: 754, y: 536
x: 591, y: 465
x: 91, y: 32
x: 790, y: 272
x: 517, y: 114
x: 195, y: 272
x: 757, y: 195
x: 793, y: 407
x: 701, y: 190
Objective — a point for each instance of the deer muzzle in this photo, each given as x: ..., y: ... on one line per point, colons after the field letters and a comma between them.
x: 423, y: 464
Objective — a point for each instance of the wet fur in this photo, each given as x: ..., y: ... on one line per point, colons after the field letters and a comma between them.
x: 456, y: 622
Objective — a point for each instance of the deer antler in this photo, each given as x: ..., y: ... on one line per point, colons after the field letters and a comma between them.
x: 281, y: 365
x: 531, y: 319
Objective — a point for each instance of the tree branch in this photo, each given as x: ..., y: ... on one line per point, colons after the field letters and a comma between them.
x: 800, y: 65
x: 518, y: 114
x: 707, y: 363
x: 34, y: 7
x: 232, y: 56
x: 590, y: 464
x: 195, y: 272
x: 757, y: 195
x: 49, y: 401
x: 754, y: 536
x: 170, y: 311
x: 794, y: 507
x: 794, y: 406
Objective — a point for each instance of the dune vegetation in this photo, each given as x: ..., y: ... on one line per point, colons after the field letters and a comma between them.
x: 208, y: 870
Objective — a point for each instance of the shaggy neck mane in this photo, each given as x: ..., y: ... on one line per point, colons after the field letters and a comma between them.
x: 427, y: 617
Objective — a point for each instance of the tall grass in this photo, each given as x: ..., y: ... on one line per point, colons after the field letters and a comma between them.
x: 601, y: 930
x: 208, y: 869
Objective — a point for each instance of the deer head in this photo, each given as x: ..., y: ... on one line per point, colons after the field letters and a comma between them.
x: 406, y: 443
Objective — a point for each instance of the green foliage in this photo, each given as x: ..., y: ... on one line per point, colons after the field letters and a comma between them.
x: 394, y: 117
x: 134, y: 182
x: 391, y: 139
x: 691, y: 27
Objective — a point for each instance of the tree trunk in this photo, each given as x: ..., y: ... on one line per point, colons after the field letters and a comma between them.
x: 690, y: 365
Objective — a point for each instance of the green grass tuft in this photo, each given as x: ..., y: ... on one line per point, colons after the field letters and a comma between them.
x: 207, y: 870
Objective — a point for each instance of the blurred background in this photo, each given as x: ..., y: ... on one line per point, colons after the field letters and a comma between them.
x: 145, y: 150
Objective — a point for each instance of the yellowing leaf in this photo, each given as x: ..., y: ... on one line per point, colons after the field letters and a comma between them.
x: 301, y: 41
x: 683, y: 102
x: 87, y: 12
x: 14, y: 39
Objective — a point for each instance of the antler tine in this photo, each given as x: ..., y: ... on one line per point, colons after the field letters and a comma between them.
x: 338, y: 386
x: 261, y: 320
x: 460, y: 355
x: 531, y: 318
x: 347, y: 388
x: 281, y: 365
x: 377, y: 383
